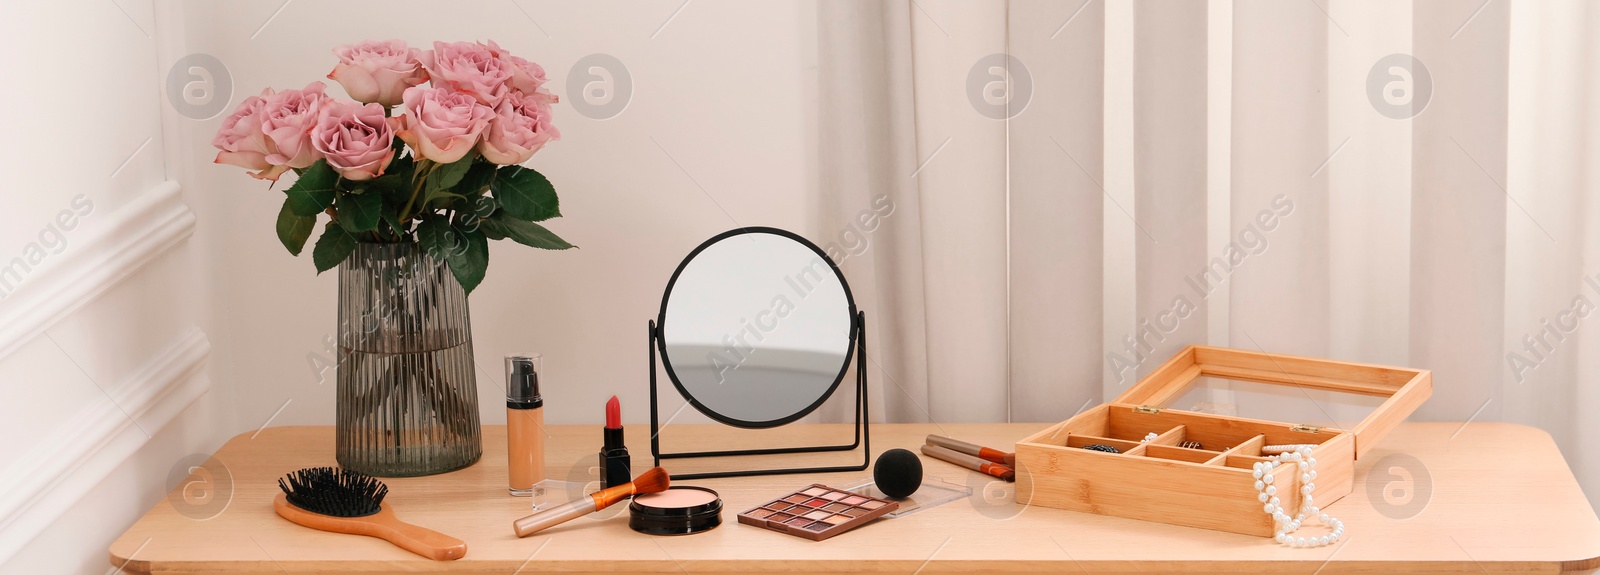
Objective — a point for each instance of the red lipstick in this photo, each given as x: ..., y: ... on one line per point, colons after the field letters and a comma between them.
x: 616, y: 466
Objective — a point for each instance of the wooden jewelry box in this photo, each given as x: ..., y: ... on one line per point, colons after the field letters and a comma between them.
x: 1211, y: 486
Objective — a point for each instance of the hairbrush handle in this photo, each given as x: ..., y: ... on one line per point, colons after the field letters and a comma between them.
x: 554, y: 516
x: 420, y: 540
x: 383, y: 525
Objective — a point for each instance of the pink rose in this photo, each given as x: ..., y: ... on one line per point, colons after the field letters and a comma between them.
x: 287, y: 120
x: 441, y: 124
x: 355, y: 139
x: 470, y: 68
x: 241, y: 142
x: 526, y: 77
x: 375, y: 71
x: 520, y: 127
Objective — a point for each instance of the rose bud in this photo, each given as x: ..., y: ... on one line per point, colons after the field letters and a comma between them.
x: 521, y: 126
x: 378, y: 71
x: 469, y: 68
x: 241, y: 142
x: 354, y: 138
x: 442, y: 124
x: 287, y: 119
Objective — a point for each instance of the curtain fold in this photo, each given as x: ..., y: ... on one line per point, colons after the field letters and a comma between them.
x: 1056, y: 199
x: 1398, y: 182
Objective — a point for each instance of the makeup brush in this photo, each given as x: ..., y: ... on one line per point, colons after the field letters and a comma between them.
x: 652, y: 481
x: 344, y: 501
x: 985, y: 453
x: 970, y: 462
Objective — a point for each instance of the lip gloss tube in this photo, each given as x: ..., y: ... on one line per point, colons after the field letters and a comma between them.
x: 524, y: 422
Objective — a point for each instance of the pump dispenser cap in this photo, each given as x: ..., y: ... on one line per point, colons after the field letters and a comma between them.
x: 522, y: 381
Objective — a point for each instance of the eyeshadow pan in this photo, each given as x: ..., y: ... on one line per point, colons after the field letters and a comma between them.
x: 817, y: 512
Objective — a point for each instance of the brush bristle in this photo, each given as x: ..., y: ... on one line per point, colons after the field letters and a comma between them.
x: 334, y: 492
x: 653, y: 481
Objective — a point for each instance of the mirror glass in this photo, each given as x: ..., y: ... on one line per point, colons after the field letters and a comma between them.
x: 756, y: 328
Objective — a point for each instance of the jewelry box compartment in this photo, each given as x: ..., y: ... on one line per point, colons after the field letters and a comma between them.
x: 1180, y: 462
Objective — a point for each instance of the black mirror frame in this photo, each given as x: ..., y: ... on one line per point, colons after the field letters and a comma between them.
x: 666, y: 360
x: 858, y: 330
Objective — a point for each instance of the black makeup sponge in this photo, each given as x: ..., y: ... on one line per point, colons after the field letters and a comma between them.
x: 898, y: 473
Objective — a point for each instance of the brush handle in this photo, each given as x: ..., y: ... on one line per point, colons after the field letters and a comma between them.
x: 970, y: 462
x: 554, y: 516
x: 416, y: 539
x: 985, y: 453
x: 383, y: 525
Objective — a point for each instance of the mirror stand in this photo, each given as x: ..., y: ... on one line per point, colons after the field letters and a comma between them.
x: 861, y: 432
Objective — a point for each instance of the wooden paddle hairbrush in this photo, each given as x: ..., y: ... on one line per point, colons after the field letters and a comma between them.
x: 344, y: 501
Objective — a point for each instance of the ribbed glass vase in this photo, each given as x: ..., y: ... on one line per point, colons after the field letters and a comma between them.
x: 407, y: 394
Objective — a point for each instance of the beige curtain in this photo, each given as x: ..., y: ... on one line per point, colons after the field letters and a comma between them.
x: 1066, y: 175
x: 982, y: 287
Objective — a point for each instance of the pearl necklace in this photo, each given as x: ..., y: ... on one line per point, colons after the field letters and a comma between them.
x: 1262, y: 470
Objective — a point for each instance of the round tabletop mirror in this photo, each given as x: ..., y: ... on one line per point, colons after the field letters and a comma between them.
x: 757, y: 327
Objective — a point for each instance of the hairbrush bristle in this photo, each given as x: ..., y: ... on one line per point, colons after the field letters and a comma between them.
x: 653, y: 481
x: 334, y: 492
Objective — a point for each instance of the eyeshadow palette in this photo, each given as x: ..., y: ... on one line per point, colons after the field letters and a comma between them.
x: 817, y: 512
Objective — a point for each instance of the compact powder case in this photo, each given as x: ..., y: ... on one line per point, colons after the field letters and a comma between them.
x: 817, y: 512
x: 680, y: 510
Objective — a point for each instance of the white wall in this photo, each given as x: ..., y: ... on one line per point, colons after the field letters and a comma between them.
x: 186, y: 291
x: 104, y: 376
x: 719, y: 133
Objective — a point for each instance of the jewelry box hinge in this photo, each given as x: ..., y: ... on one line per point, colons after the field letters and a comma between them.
x: 1302, y: 428
x: 1147, y: 410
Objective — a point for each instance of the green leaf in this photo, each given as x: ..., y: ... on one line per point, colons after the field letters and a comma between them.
x: 448, y: 175
x: 526, y: 194
x: 294, y: 230
x: 332, y: 248
x: 477, y: 178
x: 313, y: 192
x: 441, y: 200
x: 360, y: 212
x: 525, y: 233
x: 436, y: 237
x: 389, y: 217
x: 470, y: 263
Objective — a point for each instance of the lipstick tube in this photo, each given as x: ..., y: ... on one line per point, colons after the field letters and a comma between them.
x: 615, y: 463
x: 524, y: 422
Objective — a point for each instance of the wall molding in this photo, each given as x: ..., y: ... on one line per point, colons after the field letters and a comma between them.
x: 123, y: 243
x: 65, y: 463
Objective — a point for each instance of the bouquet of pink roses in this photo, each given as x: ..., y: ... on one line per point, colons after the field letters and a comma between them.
x: 442, y: 170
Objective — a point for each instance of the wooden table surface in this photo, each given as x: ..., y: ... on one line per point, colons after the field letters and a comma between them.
x: 1480, y: 498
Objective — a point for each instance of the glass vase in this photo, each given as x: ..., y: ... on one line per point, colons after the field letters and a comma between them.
x: 407, y: 391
